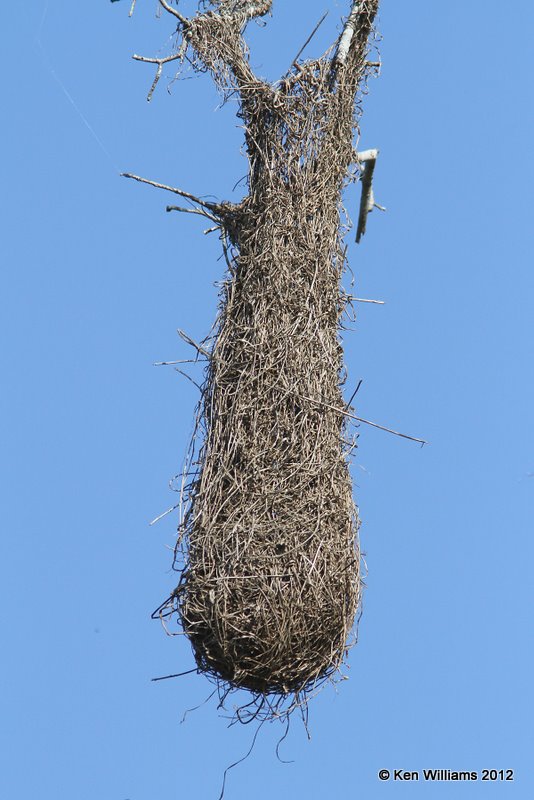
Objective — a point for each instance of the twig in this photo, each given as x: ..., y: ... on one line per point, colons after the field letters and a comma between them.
x: 165, y: 513
x: 192, y: 342
x: 160, y: 62
x: 310, y: 37
x: 366, y: 421
x: 132, y: 9
x: 192, y: 211
x: 189, y: 378
x: 177, y: 675
x: 174, y: 12
x: 355, y: 392
x: 364, y: 300
x: 172, y: 363
x: 155, y: 82
x: 387, y: 430
x: 150, y: 60
x: 192, y: 197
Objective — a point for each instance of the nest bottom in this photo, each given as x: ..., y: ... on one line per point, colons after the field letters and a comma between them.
x: 275, y: 633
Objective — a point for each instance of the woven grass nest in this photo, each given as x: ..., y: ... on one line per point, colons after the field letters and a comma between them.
x: 267, y: 549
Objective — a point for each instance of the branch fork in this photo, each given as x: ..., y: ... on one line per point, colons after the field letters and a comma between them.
x: 225, y: 215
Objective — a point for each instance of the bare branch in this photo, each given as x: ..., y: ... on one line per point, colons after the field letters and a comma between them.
x: 176, y: 675
x: 165, y: 514
x: 174, y: 12
x: 160, y: 62
x: 367, y: 422
x: 173, y: 363
x: 183, y: 335
x: 388, y: 430
x: 363, y: 300
x: 192, y: 211
x: 346, y: 37
x: 367, y: 202
x: 132, y: 8
x: 148, y: 60
x: 212, y: 206
x: 155, y: 82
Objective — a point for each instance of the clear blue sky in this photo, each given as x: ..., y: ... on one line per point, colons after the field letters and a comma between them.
x: 97, y: 277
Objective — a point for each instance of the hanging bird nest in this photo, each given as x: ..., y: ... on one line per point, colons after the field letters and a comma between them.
x: 268, y: 549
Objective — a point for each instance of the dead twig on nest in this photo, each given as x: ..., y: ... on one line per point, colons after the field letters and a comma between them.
x: 187, y: 195
x: 308, y: 40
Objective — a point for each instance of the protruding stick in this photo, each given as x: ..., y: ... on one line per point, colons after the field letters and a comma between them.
x: 174, y: 12
x: 310, y: 37
x: 183, y: 335
x: 187, y: 195
x: 365, y: 300
x: 165, y: 514
x: 176, y: 675
x: 367, y: 421
x: 192, y: 211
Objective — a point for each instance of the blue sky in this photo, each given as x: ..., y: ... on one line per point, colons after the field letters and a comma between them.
x: 96, y: 278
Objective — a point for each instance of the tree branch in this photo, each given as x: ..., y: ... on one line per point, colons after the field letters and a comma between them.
x: 160, y: 62
x: 205, y: 204
x: 174, y: 12
x: 352, y: 44
x: 367, y: 202
x: 346, y: 37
